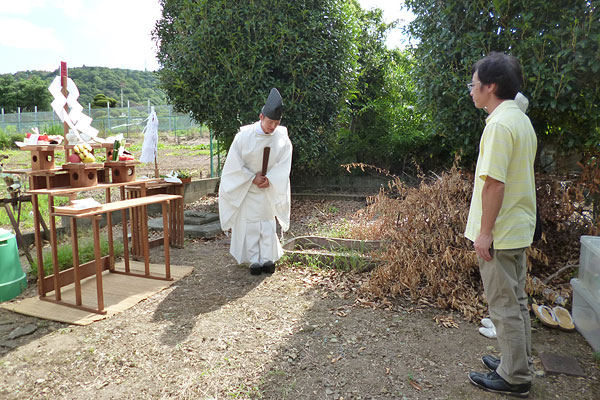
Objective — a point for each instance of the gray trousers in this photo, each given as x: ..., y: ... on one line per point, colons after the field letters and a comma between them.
x: 504, y: 287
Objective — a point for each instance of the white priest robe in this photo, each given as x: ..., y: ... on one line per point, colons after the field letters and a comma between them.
x: 248, y: 210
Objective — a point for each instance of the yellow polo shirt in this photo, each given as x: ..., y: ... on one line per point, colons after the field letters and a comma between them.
x: 507, y: 153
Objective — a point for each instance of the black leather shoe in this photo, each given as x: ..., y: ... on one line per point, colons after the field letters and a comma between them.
x: 268, y: 267
x: 492, y: 382
x: 255, y: 269
x: 491, y: 362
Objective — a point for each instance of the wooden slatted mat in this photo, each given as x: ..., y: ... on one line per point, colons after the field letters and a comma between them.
x: 120, y: 293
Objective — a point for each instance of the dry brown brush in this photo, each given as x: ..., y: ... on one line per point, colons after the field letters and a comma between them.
x: 427, y: 257
x: 569, y: 207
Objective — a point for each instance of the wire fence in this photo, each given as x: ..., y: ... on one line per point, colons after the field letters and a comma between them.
x: 129, y: 121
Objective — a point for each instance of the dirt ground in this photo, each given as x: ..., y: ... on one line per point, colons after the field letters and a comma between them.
x: 301, y: 333
x: 170, y: 159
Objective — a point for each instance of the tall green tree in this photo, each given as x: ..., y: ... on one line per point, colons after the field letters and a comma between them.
x: 32, y: 92
x: 382, y: 126
x: 557, y: 43
x: 24, y: 93
x: 219, y: 59
x: 7, y: 93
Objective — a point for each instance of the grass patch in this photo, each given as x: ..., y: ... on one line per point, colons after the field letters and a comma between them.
x: 195, y: 147
x: 343, y: 261
x: 200, y: 153
x: 340, y: 230
x: 26, y: 221
x: 86, y: 253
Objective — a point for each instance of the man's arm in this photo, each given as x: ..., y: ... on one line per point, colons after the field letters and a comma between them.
x: 492, y: 196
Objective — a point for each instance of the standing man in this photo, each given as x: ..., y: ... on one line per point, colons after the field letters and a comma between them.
x: 249, y: 201
x: 502, y: 220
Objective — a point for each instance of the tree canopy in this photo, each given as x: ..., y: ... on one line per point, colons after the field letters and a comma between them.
x: 219, y: 59
x: 381, y: 125
x: 24, y: 93
x: 557, y: 43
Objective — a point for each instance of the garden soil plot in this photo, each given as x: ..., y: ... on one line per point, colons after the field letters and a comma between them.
x: 300, y: 333
x: 170, y: 159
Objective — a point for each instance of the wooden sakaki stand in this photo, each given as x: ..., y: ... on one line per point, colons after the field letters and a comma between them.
x: 78, y: 272
x: 45, y: 179
x: 139, y: 215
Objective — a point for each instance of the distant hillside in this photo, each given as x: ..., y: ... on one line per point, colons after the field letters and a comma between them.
x: 138, y: 86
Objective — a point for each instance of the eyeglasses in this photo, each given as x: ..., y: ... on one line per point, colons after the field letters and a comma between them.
x: 472, y: 85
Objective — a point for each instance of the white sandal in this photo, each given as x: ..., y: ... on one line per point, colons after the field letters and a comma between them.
x: 563, y: 318
x: 545, y: 315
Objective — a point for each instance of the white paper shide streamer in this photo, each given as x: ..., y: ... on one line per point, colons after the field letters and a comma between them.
x: 150, y: 132
x: 78, y: 122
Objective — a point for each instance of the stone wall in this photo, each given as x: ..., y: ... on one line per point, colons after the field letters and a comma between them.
x: 342, y: 183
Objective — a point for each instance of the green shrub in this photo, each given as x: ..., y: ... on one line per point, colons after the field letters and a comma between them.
x: 8, y: 137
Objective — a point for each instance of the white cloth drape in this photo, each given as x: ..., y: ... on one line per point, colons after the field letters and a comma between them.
x: 150, y: 132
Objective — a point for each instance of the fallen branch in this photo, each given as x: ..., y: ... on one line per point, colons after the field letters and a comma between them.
x: 560, y: 271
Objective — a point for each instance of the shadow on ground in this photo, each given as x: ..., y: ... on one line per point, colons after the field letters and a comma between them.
x: 343, y: 351
x: 206, y: 289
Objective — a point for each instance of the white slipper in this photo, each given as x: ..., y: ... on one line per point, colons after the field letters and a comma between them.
x: 486, y: 322
x: 488, y: 332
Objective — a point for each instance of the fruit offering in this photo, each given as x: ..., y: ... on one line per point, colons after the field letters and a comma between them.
x: 84, y: 151
x: 126, y: 156
x: 45, y: 139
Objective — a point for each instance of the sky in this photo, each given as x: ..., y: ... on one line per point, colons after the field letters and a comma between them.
x: 39, y: 34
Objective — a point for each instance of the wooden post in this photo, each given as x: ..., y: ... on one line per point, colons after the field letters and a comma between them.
x: 124, y: 224
x: 38, y: 245
x: 75, y: 248
x: 109, y: 227
x: 53, y: 245
x: 98, y: 257
x: 165, y: 211
x: 145, y: 239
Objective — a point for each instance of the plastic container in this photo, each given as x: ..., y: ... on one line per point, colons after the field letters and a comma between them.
x: 586, y: 314
x: 589, y: 264
x: 12, y: 278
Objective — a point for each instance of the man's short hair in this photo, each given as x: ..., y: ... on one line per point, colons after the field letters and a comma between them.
x: 503, y: 70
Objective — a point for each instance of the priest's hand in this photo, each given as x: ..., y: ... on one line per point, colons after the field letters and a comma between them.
x: 261, y: 181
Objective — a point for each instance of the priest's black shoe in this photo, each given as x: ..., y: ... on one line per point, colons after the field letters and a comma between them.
x: 255, y: 269
x: 268, y: 267
x: 492, y: 382
x: 491, y: 362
